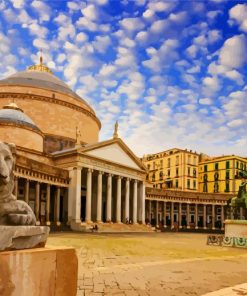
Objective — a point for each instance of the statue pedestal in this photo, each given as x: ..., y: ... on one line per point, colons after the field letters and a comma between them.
x: 39, y: 272
x: 236, y: 228
x: 22, y: 237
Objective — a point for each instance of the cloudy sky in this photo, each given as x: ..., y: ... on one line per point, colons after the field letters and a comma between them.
x: 173, y: 73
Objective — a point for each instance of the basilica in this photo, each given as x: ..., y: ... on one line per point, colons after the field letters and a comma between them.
x: 62, y: 170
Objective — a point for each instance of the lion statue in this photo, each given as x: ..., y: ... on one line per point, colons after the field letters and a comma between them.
x: 12, y: 211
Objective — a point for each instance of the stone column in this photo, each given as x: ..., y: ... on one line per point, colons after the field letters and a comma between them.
x: 196, y: 216
x: 213, y: 216
x: 157, y: 213
x: 26, y: 192
x: 89, y: 196
x: 150, y: 211
x: 37, y: 202
x: 241, y: 213
x: 57, y: 208
x: 74, y: 196
x: 135, y: 202
x: 180, y: 215
x: 47, y: 204
x: 127, y: 200
x: 188, y: 215
x: 16, y: 187
x: 143, y: 197
x: 222, y: 217
x: 118, y: 204
x: 142, y: 203
x: 164, y: 213
x: 204, y: 216
x: 172, y: 215
x: 109, y: 198
x: 99, y: 197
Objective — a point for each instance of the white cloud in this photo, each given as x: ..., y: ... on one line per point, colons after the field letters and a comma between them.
x: 101, y: 43
x: 205, y: 101
x: 132, y: 24
x: 81, y: 37
x: 165, y: 55
x: 42, y: 9
x: 18, y: 3
x: 234, y: 52
x: 236, y: 123
x: 148, y: 14
x: 90, y: 12
x: 238, y: 13
x: 212, y: 83
x: 107, y: 70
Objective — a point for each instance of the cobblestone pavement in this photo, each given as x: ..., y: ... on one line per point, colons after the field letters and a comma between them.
x: 232, y: 291
x: 166, y: 264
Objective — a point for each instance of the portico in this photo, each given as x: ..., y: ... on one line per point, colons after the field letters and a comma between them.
x: 106, y: 184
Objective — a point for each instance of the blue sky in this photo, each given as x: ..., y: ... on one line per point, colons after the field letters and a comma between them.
x: 173, y: 73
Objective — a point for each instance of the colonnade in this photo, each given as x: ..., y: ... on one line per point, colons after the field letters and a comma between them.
x: 38, y: 200
x: 188, y: 213
x: 130, y: 194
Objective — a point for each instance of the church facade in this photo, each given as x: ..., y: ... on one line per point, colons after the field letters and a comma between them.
x: 62, y: 171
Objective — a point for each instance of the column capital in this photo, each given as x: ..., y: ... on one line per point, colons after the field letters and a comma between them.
x: 119, y: 177
x: 127, y: 179
x: 100, y: 173
x: 89, y: 170
x: 109, y: 175
x: 135, y: 181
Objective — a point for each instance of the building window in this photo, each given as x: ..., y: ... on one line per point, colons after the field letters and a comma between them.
x: 168, y: 173
x: 188, y: 183
x: 227, y: 164
x: 153, y: 165
x: 161, y: 163
x: 216, y: 176
x: 227, y: 186
x: 241, y: 166
x: 194, y: 160
x: 153, y: 177
x: 168, y: 162
x: 176, y: 183
x: 194, y: 173
x: 216, y: 187
x: 177, y: 160
x: 205, y: 187
x: 148, y: 166
x: 189, y: 159
x: 188, y: 171
x: 216, y: 166
x: 237, y: 164
x: 194, y: 184
x: 177, y: 172
x: 205, y: 177
x: 161, y: 175
x: 227, y: 174
x: 205, y: 168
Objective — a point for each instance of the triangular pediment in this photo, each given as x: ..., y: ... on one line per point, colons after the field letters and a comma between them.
x: 114, y: 151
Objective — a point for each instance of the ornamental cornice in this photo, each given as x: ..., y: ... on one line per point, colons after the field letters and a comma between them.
x: 186, y: 200
x: 5, y: 95
x: 31, y: 175
x: 5, y: 123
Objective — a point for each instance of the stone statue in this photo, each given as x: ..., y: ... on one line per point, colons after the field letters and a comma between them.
x: 78, y: 137
x: 241, y: 199
x: 115, y: 134
x: 12, y: 211
x: 17, y: 220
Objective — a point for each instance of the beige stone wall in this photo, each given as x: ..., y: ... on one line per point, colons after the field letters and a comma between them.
x: 53, y: 118
x: 21, y: 137
x: 39, y: 272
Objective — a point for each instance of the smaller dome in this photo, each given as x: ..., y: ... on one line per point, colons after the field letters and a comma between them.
x: 11, y: 113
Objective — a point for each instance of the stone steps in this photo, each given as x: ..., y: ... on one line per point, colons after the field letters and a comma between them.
x: 117, y: 227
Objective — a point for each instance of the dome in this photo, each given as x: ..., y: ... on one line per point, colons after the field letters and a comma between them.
x: 11, y: 113
x: 42, y: 77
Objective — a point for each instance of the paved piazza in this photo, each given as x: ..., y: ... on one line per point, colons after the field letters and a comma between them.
x: 152, y: 264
